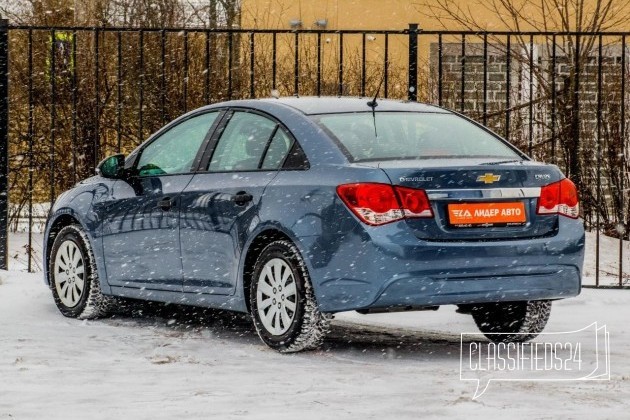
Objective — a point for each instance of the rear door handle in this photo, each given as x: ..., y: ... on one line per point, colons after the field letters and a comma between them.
x: 241, y: 198
x: 165, y: 204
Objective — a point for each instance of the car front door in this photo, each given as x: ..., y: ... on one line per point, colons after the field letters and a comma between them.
x: 220, y: 204
x: 141, y: 222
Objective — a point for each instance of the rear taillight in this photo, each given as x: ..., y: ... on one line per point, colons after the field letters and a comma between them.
x: 377, y: 204
x: 559, y: 198
x: 414, y: 203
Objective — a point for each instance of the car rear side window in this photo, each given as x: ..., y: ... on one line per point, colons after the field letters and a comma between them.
x: 174, y: 151
x: 412, y: 135
x: 242, y: 143
x: 278, y: 149
x: 296, y: 159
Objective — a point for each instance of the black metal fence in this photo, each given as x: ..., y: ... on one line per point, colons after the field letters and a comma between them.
x: 72, y: 95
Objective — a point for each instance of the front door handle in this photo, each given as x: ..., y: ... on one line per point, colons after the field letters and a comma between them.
x: 166, y: 204
x: 241, y: 198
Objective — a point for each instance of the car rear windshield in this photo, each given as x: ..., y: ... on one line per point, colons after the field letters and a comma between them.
x: 412, y: 135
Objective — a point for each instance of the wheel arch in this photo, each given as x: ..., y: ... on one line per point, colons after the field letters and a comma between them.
x: 54, y: 227
x: 254, y: 248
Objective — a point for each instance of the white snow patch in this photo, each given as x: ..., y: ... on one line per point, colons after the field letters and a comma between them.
x: 608, y: 260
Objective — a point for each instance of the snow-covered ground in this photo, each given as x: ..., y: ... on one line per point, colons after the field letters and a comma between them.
x: 608, y: 260
x: 165, y: 362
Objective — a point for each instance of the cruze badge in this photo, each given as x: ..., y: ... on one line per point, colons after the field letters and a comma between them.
x: 488, y: 178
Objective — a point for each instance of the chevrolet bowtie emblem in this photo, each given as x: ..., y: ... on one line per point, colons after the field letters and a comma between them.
x: 488, y: 178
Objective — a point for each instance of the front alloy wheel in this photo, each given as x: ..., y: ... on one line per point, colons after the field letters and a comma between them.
x: 69, y: 273
x: 73, y: 276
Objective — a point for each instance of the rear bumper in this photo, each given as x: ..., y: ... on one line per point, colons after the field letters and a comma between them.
x: 524, y: 283
x: 377, y: 267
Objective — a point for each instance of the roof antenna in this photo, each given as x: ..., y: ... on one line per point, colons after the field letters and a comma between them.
x: 373, y: 104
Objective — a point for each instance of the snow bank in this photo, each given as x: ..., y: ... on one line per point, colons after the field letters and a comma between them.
x: 608, y: 260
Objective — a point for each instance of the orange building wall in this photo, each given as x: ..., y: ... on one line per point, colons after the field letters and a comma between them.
x: 396, y: 14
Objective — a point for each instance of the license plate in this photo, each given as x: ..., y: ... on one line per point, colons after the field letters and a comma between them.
x: 486, y: 214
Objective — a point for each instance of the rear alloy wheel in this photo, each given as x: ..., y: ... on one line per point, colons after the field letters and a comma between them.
x: 73, y: 277
x: 511, y: 321
x: 282, y: 301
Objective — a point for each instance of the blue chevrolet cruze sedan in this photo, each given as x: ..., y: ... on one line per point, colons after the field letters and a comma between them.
x: 295, y: 209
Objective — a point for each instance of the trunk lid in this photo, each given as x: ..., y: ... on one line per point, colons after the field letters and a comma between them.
x: 477, y: 199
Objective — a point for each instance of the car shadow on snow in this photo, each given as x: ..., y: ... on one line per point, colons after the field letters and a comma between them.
x: 345, y: 339
x: 391, y: 342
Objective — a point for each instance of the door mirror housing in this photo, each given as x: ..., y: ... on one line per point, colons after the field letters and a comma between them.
x: 112, y: 167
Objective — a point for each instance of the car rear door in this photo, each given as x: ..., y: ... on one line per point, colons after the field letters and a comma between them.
x: 141, y: 222
x: 220, y: 205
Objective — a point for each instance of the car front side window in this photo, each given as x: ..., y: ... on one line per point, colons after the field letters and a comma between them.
x: 175, y: 150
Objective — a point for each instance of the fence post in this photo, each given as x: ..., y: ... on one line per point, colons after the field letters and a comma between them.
x: 412, y: 89
x: 4, y: 142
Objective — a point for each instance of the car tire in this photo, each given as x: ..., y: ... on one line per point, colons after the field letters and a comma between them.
x: 512, y: 321
x: 73, y: 276
x: 282, y: 301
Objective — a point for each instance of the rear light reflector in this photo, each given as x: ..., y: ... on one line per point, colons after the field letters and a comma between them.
x: 414, y: 203
x: 377, y: 204
x: 559, y: 198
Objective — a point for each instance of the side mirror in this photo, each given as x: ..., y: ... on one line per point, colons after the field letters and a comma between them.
x: 112, y: 167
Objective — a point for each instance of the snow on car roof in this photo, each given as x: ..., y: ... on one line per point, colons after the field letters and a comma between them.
x: 332, y: 104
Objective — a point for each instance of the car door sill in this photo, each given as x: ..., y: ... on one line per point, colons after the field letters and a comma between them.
x: 226, y: 302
